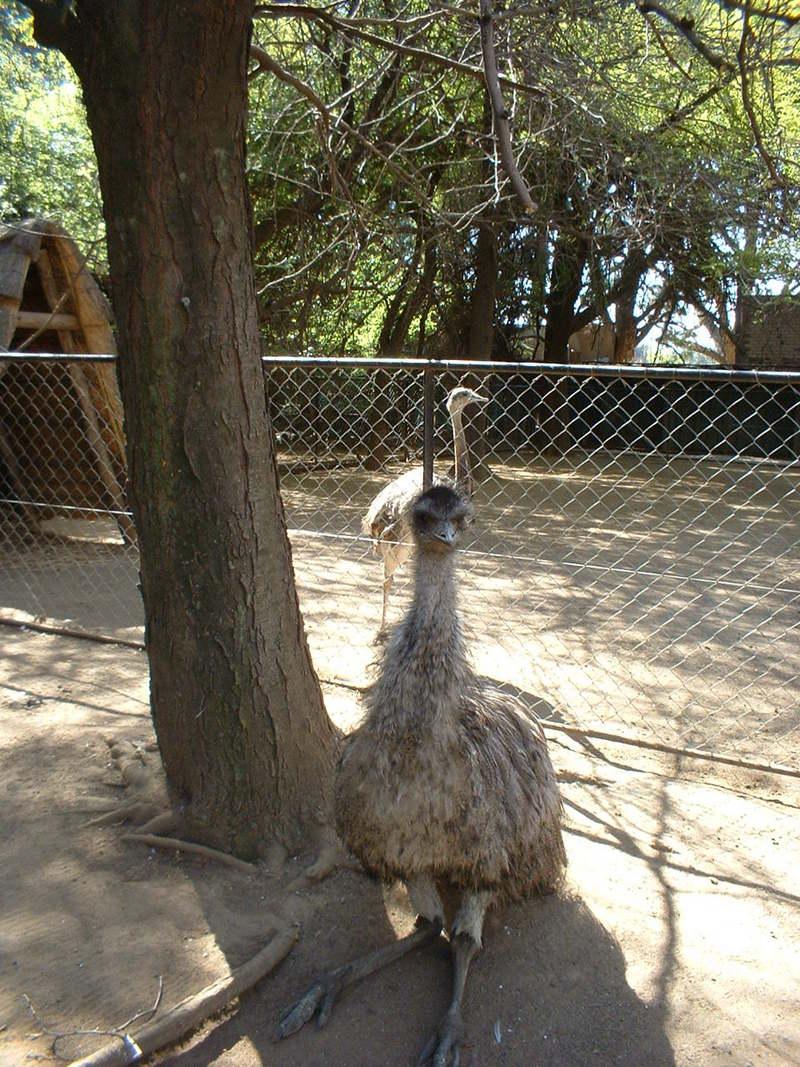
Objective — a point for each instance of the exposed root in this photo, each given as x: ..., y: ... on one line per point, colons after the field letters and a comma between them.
x: 329, y: 856
x: 143, y: 775
x: 194, y: 1010
x: 162, y: 823
x: 176, y: 844
x: 134, y: 811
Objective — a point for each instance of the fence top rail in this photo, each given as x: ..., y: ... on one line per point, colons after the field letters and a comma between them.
x: 473, y: 366
x: 582, y: 370
x: 57, y: 357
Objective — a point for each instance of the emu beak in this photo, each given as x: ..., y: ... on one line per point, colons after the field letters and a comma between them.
x: 445, y: 532
x: 478, y: 398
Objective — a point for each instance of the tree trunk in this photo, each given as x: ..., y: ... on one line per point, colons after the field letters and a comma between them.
x: 625, y: 328
x: 566, y: 276
x: 241, y: 726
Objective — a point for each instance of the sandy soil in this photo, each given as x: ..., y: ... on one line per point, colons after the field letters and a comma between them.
x: 674, y: 941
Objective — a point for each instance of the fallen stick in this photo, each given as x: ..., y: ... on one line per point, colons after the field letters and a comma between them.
x: 186, y: 1016
x: 157, y: 841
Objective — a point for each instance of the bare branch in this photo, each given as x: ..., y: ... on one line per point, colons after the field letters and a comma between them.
x: 266, y: 62
x: 421, y: 54
x: 499, y: 113
x: 679, y: 114
x: 747, y: 103
x: 684, y: 24
x: 766, y: 13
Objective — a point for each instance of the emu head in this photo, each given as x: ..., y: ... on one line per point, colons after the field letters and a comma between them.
x: 439, y: 517
x: 457, y: 399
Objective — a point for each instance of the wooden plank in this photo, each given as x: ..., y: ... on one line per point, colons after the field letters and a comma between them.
x: 91, y: 306
x: 94, y: 315
x: 80, y: 382
x: 16, y: 252
x: 46, y: 320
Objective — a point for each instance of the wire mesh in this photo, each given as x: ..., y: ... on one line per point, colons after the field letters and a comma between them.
x: 633, y: 566
x: 67, y: 550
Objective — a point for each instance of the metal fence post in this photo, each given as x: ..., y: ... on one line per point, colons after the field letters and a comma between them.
x: 429, y: 386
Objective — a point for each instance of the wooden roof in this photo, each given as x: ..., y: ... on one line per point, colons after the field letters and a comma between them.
x: 49, y: 302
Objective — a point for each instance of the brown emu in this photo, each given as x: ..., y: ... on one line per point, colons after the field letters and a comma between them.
x: 447, y: 784
x: 387, y: 518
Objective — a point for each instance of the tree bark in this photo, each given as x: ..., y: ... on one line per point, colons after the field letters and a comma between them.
x: 238, y: 712
x: 625, y: 324
x: 566, y: 275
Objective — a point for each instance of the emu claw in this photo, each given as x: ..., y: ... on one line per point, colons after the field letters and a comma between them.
x: 318, y: 1000
x: 444, y: 1047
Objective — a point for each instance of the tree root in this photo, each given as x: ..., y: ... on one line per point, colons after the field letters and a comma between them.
x: 194, y: 1010
x: 175, y: 843
x: 132, y: 812
x: 163, y: 823
x: 330, y: 855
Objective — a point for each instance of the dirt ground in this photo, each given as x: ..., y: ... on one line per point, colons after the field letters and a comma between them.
x: 674, y: 941
x: 651, y: 597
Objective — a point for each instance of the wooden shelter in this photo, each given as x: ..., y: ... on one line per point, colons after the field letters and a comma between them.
x: 61, y: 432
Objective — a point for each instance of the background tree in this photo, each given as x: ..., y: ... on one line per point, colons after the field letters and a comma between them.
x: 657, y: 142
x: 47, y: 163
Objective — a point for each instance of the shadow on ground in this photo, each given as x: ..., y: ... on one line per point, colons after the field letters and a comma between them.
x: 550, y: 984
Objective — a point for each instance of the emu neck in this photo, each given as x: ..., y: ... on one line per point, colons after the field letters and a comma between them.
x: 433, y: 614
x: 461, y: 455
x: 424, y: 669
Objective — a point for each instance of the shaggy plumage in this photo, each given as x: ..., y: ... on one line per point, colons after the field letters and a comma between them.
x: 446, y: 785
x: 447, y: 776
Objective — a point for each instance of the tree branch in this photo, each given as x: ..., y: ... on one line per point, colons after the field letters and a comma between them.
x: 684, y: 24
x: 747, y: 104
x: 266, y: 62
x: 679, y: 114
x: 769, y: 15
x: 421, y: 54
x: 499, y: 113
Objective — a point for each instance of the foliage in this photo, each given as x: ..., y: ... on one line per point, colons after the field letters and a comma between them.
x: 663, y: 157
x: 47, y: 163
x: 660, y: 143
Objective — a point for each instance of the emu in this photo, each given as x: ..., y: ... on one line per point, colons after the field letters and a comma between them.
x: 447, y: 784
x: 387, y: 518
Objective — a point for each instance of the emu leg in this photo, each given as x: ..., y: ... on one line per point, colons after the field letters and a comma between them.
x: 320, y: 997
x: 444, y: 1047
x: 387, y: 585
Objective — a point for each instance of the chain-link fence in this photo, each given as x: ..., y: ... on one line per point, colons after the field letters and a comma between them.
x: 633, y: 567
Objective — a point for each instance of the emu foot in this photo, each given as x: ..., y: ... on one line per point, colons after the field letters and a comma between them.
x: 320, y: 997
x: 318, y: 1000
x: 444, y: 1047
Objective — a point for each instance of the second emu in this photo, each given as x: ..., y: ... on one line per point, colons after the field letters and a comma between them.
x: 446, y: 785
